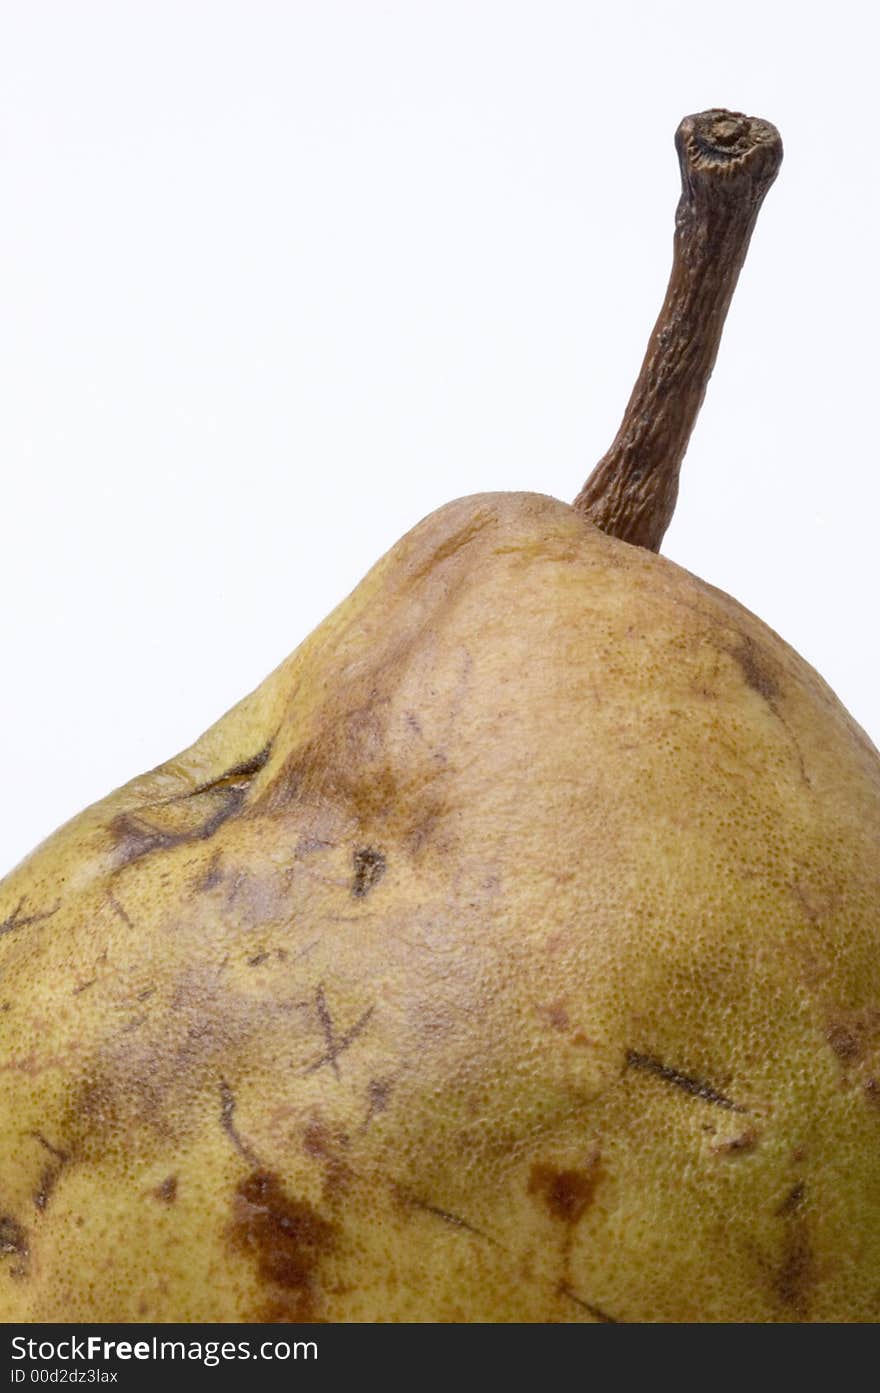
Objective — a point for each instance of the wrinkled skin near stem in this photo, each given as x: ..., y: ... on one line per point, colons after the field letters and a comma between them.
x: 728, y: 162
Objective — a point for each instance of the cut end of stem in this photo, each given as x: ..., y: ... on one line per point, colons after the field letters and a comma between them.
x: 724, y: 144
x: 728, y: 162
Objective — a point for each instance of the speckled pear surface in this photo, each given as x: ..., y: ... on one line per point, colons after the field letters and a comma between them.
x: 511, y: 954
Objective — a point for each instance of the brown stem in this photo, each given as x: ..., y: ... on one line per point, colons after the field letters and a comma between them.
x: 728, y: 162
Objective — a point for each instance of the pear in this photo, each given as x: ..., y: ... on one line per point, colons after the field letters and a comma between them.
x: 511, y: 954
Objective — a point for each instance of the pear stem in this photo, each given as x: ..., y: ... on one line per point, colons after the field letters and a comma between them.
x: 728, y: 162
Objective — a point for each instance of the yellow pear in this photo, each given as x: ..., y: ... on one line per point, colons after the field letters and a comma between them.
x: 511, y: 954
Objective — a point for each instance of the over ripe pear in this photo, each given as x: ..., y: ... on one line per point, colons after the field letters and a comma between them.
x: 511, y: 954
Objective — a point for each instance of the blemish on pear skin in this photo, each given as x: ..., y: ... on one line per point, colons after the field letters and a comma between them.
x: 454, y: 1220
x: 213, y: 876
x: 166, y: 1190
x: 567, y: 1194
x: 754, y: 665
x: 556, y: 1015
x: 326, y: 1147
x: 595, y: 1311
x: 279, y: 954
x: 118, y: 909
x: 17, y: 920
x: 795, y: 1275
x: 851, y: 1036
x: 369, y: 868
x: 378, y: 1094
x: 14, y: 1243
x: 285, y: 1238
x: 136, y: 836
x: 245, y: 769
x: 843, y: 1042
x: 48, y: 1180
x: 688, y: 1083
x: 754, y: 669
x: 55, y: 1151
x: 50, y: 1174
x: 227, y: 1116
x: 735, y: 1146
x: 793, y: 1199
x: 336, y: 1044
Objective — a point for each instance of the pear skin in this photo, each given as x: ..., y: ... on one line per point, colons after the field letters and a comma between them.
x: 520, y: 970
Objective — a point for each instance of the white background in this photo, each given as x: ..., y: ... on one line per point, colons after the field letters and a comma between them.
x: 280, y: 278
